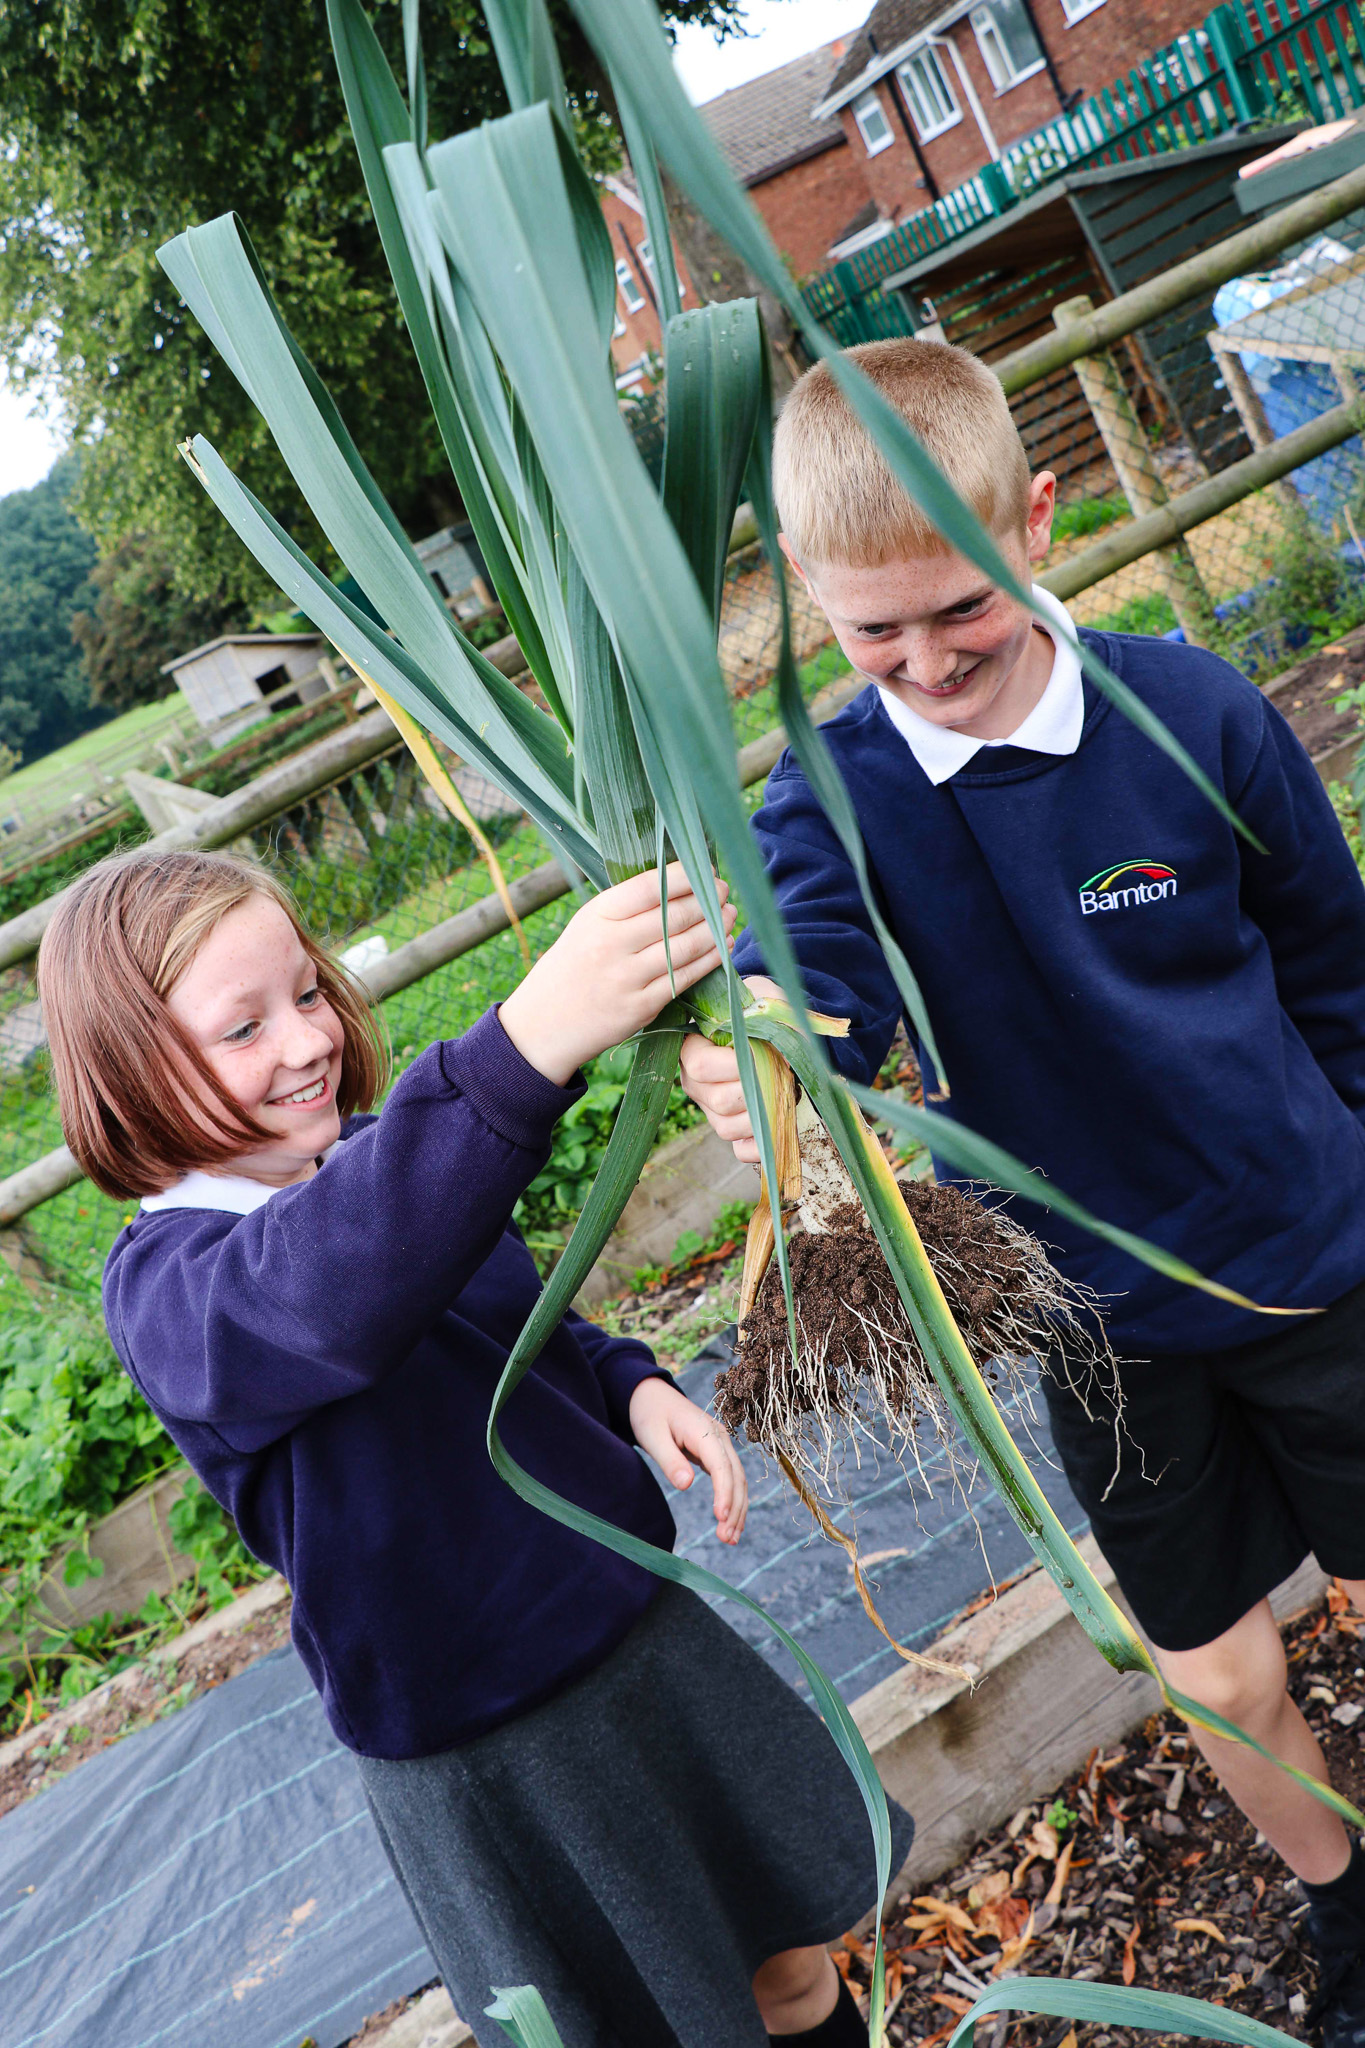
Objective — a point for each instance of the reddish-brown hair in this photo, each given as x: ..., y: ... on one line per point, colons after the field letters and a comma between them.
x: 118, y: 942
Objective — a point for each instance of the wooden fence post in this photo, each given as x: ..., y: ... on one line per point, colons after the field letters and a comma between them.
x: 1107, y: 396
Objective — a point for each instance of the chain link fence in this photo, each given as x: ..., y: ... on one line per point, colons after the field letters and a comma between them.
x: 1138, y: 426
x: 374, y: 860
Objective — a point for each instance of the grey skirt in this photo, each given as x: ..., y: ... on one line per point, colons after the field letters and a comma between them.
x: 638, y: 1846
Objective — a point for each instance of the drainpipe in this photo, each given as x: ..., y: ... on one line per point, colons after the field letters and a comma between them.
x: 1056, y: 83
x: 968, y: 92
x: 907, y: 123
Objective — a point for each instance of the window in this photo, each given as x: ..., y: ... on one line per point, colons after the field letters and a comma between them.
x: 647, y: 258
x: 1005, y: 38
x: 928, y: 93
x: 632, y: 298
x: 873, y: 125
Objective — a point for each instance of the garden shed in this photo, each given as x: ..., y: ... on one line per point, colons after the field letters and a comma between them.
x: 232, y: 677
x: 1100, y: 232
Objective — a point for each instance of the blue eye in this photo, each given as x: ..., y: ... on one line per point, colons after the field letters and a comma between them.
x: 311, y: 995
x: 241, y: 1036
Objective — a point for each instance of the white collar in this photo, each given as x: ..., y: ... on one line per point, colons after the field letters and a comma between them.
x: 1052, y: 727
x: 230, y: 1191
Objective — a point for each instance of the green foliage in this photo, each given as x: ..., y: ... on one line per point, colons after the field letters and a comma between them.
x: 76, y: 1438
x: 730, y: 1227
x: 1348, y: 816
x: 139, y: 620
x: 1311, y: 588
x: 1060, y: 1816
x: 205, y: 1532
x: 124, y: 120
x: 1147, y: 614
x: 45, y: 877
x: 75, y: 1435
x: 45, y: 565
x: 1088, y: 515
x: 551, y: 1204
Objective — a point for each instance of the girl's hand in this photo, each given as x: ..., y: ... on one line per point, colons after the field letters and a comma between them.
x: 673, y: 1430
x: 606, y: 975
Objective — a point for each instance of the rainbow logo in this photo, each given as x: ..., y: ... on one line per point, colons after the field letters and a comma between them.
x: 1125, y: 887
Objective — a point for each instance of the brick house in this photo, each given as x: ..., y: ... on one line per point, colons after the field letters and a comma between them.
x: 806, y: 177
x: 637, y: 338
x: 928, y: 92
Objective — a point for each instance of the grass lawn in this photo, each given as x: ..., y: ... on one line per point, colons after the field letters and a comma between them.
x: 107, y: 749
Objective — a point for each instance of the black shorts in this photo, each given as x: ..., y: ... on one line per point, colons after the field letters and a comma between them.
x: 1228, y: 1468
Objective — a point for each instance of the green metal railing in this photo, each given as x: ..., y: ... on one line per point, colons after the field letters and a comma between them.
x: 1251, y: 60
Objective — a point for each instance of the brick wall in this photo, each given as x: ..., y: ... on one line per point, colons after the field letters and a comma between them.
x: 1087, y: 54
x: 808, y: 206
x: 640, y: 333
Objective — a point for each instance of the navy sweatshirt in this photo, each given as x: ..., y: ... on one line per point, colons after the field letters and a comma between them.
x: 327, y: 1364
x: 1168, y: 1024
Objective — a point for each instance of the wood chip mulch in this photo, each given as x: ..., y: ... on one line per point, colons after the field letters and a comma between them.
x: 1157, y: 1881
x: 149, y: 1691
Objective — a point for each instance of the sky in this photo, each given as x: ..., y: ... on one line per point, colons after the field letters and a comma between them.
x: 778, y: 31
x: 28, y: 448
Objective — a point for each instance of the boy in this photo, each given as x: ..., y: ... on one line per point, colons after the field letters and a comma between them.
x: 1134, y: 1001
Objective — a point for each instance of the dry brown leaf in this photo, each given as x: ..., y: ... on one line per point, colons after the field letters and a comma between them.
x: 989, y: 1889
x: 951, y: 2000
x: 943, y: 1909
x: 1042, y: 1838
x: 1200, y: 1927
x: 1061, y: 1874
x: 1130, y: 1953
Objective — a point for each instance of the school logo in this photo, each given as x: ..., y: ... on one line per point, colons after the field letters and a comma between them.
x: 1131, y: 883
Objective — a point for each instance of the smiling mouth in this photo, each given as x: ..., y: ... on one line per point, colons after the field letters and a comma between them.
x: 314, y: 1092
x: 948, y: 689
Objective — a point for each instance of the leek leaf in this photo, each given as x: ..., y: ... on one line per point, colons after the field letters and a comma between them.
x: 629, y: 39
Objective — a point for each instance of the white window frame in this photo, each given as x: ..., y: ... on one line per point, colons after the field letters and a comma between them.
x: 994, y: 54
x: 870, y: 101
x: 1076, y: 10
x: 632, y: 298
x: 645, y: 252
x: 927, y: 54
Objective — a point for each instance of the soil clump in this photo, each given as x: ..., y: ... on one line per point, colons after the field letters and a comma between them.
x: 860, y: 1356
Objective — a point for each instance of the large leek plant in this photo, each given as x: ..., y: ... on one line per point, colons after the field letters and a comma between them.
x: 505, y: 279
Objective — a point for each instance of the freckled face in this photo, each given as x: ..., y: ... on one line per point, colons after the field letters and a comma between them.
x: 250, y: 1002
x: 939, y: 635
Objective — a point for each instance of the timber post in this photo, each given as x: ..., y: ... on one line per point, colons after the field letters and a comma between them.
x: 1121, y: 431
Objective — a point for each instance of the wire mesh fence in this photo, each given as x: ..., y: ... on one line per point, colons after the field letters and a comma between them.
x: 373, y: 861
x: 1131, y: 429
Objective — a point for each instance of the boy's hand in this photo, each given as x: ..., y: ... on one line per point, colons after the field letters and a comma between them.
x: 606, y: 975
x: 710, y: 1075
x: 673, y: 1430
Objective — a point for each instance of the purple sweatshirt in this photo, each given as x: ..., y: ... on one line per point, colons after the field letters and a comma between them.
x: 326, y: 1363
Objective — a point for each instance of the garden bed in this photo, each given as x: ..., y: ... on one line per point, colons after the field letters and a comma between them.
x: 1138, y: 1870
x: 1307, y: 695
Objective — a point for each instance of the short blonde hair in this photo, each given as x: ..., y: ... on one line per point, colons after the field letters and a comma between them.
x: 836, y: 498
x: 119, y: 940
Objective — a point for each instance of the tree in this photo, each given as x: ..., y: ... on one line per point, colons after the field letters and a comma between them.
x: 45, y: 565
x: 123, y: 120
x: 141, y: 619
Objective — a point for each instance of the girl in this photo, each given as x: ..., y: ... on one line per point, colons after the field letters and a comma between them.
x: 582, y: 1781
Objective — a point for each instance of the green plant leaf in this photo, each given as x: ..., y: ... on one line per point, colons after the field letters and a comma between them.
x: 714, y: 359
x: 522, y: 2014
x: 1160, y: 2012
x: 628, y: 37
